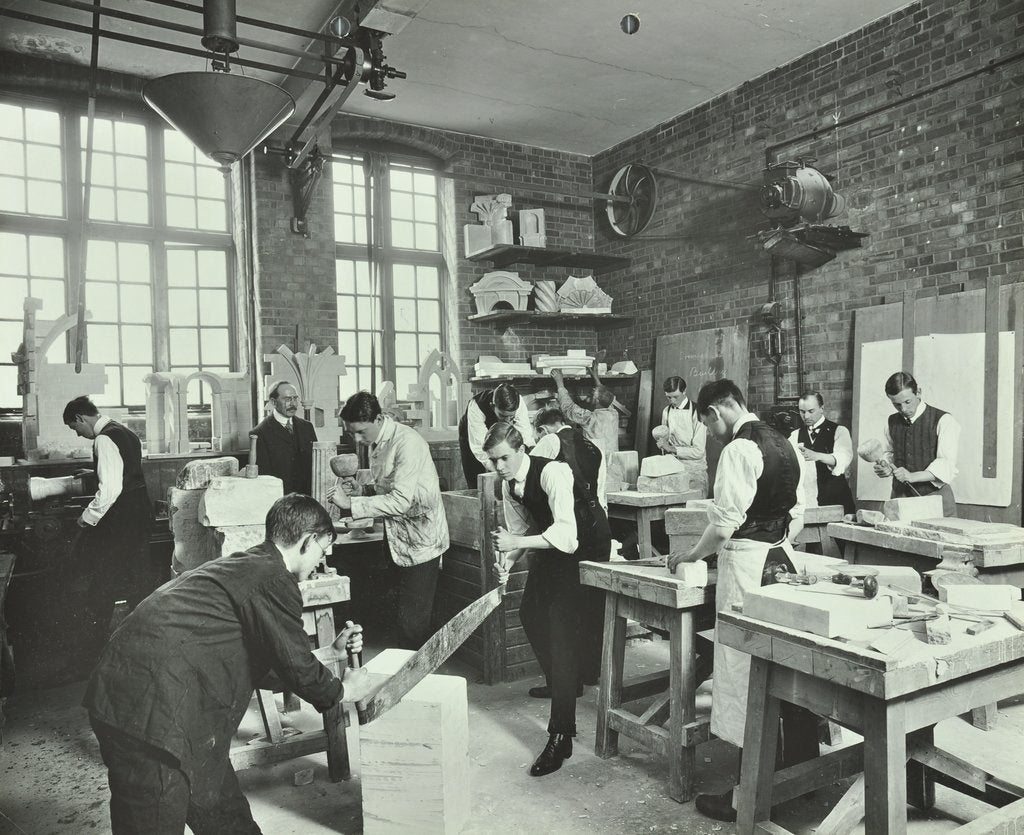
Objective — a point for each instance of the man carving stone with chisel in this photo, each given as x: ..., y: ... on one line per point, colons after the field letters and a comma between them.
x: 559, y: 529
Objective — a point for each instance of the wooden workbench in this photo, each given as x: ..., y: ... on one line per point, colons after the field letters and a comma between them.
x: 894, y: 702
x: 650, y: 595
x: 864, y: 544
x: 644, y: 509
x: 815, y: 530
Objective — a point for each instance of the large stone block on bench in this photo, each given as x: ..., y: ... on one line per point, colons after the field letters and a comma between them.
x: 198, y: 474
x: 239, y: 501
x: 193, y: 542
x: 234, y: 538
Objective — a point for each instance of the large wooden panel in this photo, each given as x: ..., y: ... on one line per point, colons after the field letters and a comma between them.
x: 700, y: 357
x: 957, y: 365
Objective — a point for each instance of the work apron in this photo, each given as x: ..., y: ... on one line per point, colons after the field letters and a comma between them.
x: 741, y: 564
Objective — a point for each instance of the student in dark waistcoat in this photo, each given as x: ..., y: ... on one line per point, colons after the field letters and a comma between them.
x: 485, y: 409
x: 829, y: 446
x: 563, y: 442
x: 284, y: 445
x: 112, y: 548
x: 922, y: 442
x: 545, y: 517
x: 758, y: 506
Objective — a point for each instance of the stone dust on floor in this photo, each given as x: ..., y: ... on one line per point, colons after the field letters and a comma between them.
x: 52, y: 780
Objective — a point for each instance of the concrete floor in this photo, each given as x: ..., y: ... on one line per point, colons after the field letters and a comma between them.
x: 52, y: 781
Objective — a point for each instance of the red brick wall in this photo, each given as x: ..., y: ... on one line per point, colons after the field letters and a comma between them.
x: 936, y: 182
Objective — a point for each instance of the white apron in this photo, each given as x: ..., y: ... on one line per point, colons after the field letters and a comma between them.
x: 682, y: 425
x: 740, y: 564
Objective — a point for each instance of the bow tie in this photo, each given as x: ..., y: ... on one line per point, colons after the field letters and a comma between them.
x: 908, y: 421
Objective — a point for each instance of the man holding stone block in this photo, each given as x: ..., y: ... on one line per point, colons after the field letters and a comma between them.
x: 406, y: 492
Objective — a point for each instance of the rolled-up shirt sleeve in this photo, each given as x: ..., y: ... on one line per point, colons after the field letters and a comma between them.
x: 739, y: 468
x: 476, y: 431
x: 110, y: 472
x: 944, y: 466
x: 556, y: 480
x: 842, y: 450
x: 272, y: 618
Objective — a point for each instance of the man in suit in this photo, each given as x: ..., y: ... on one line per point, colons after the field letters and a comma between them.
x: 758, y: 506
x: 829, y: 448
x: 923, y: 443
x: 113, y: 543
x: 546, y: 518
x: 284, y: 447
x: 485, y: 409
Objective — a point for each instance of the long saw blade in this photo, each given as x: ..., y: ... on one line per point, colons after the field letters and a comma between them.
x: 429, y: 657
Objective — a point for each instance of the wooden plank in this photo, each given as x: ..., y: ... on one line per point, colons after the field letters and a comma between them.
x: 989, y: 406
x: 909, y: 329
x: 885, y: 762
x: 643, y: 686
x: 634, y: 498
x: 651, y: 583
x: 427, y: 659
x: 957, y: 773
x: 653, y: 738
x: 847, y: 813
x: 760, y: 740
x: 642, y: 429
x: 1006, y: 821
x: 798, y: 780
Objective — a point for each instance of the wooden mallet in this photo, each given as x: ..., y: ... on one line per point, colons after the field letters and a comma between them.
x: 873, y: 451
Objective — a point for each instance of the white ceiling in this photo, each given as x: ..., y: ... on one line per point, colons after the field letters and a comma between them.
x: 558, y: 75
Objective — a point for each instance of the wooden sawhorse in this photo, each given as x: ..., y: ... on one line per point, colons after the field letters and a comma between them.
x: 894, y: 702
x: 650, y: 595
x: 319, y: 595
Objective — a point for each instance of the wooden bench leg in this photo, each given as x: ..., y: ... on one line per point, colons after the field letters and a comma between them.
x: 760, y: 739
x: 682, y: 710
x: 920, y: 785
x: 984, y: 718
x: 885, y: 764
x: 609, y: 696
x: 338, y: 766
x: 644, y: 517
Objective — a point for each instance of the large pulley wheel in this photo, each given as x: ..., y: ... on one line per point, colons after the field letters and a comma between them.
x: 634, y: 195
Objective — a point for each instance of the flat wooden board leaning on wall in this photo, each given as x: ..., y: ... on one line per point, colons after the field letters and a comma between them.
x: 700, y: 357
x: 966, y: 354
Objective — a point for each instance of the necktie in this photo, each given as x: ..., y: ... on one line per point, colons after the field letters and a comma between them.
x: 814, y: 434
x: 908, y: 421
x: 289, y: 427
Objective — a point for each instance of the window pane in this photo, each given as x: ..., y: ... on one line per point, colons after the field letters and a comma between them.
x: 102, y: 134
x: 213, y: 268
x: 12, y: 121
x: 181, y: 212
x: 42, y: 126
x: 101, y: 261
x: 177, y: 147
x: 211, y: 183
x: 12, y: 158
x: 429, y: 316
x: 426, y: 208
x: 13, y: 254
x: 135, y: 303
x: 181, y: 307
x: 214, y: 343
x: 213, y: 308
x: 402, y: 234
x: 181, y: 268
x: 104, y: 346
x: 111, y: 395
x: 132, y: 207
x: 130, y: 138
x: 405, y: 315
x: 101, y: 203
x: 137, y: 343
x: 102, y: 173
x: 347, y: 347
x: 345, y: 275
x: 401, y: 179
x: 404, y: 280
x: 427, y: 284
x: 426, y: 236
x: 131, y: 173
x: 346, y: 313
x: 134, y: 387
x: 12, y: 195
x: 405, y: 377
x: 180, y: 178
x: 45, y: 198
x: 43, y: 162
x: 184, y: 346
x: 101, y: 301
x: 406, y: 348
x: 429, y: 342
x: 52, y: 295
x: 210, y: 215
x: 401, y: 206
x: 133, y: 262
x: 13, y: 288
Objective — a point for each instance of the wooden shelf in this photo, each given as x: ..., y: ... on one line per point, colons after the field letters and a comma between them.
x: 537, y: 317
x: 503, y: 255
x: 508, y: 378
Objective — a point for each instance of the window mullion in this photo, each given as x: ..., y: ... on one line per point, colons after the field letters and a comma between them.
x: 76, y: 240
x: 387, y: 297
x: 158, y: 255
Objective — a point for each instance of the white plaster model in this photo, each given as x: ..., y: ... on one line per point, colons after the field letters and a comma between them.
x: 494, y: 227
x: 545, y: 297
x: 532, y: 230
x: 315, y: 377
x: 580, y: 294
x: 499, y: 289
x: 439, y: 398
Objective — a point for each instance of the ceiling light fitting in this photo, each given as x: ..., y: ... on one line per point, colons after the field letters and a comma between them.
x: 223, y: 115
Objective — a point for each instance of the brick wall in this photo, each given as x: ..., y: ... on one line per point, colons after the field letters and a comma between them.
x: 936, y: 182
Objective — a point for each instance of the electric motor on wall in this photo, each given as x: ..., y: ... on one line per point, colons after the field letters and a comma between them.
x: 794, y: 191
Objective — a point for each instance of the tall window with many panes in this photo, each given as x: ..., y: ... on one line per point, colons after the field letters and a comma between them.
x: 389, y: 269
x: 157, y: 247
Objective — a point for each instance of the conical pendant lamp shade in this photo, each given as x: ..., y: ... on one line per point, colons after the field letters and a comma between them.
x: 224, y: 115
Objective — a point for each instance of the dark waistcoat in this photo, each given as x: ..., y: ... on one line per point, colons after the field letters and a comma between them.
x: 768, y: 514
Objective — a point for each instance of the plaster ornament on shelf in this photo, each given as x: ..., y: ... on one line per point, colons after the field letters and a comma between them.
x: 580, y: 294
x: 501, y: 290
x: 315, y: 377
x: 532, y: 228
x: 545, y: 297
x: 574, y: 363
x: 494, y: 227
x: 491, y: 366
x: 438, y: 398
x: 167, y: 411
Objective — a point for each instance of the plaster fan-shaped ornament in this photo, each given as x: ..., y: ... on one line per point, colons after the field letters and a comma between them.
x: 580, y: 294
x: 636, y: 196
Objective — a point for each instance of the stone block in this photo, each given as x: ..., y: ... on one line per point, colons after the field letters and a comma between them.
x: 693, y: 573
x: 685, y: 520
x: 197, y: 474
x: 661, y: 465
x: 234, y: 538
x: 230, y: 501
x: 676, y: 483
x: 993, y: 598
x: 623, y: 467
x: 415, y: 758
x: 915, y: 507
x: 193, y: 543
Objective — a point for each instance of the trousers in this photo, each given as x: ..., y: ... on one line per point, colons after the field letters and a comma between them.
x: 150, y: 794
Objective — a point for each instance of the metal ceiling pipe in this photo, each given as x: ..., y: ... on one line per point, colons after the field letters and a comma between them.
x: 220, y: 24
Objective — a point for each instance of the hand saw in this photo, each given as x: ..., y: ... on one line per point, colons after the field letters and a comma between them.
x: 430, y: 656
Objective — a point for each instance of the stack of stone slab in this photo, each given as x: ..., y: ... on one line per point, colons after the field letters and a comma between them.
x: 214, y: 511
x: 684, y: 526
x: 662, y: 474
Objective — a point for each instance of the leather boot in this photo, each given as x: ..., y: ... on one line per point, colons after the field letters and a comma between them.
x: 559, y: 748
x: 716, y: 806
